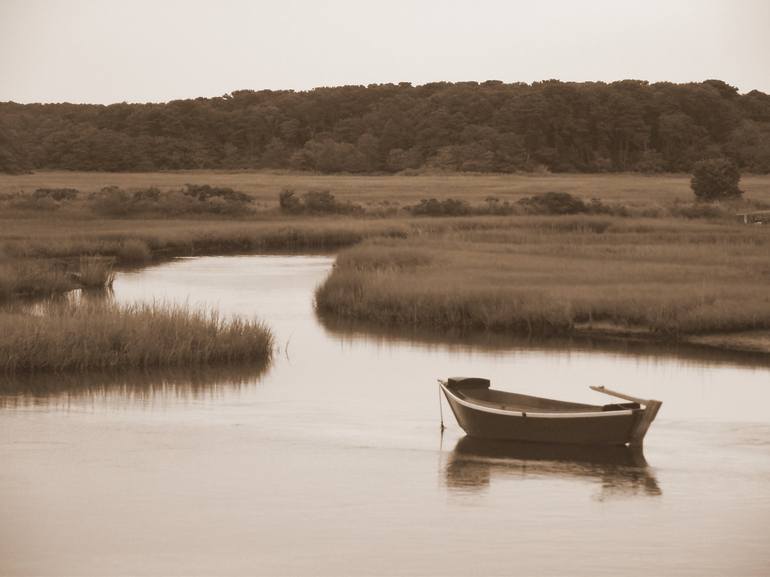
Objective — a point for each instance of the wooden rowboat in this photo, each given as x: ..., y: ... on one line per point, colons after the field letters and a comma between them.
x: 491, y: 414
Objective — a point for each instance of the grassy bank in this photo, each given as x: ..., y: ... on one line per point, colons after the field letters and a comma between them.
x: 43, y: 277
x: 136, y: 241
x: 558, y: 276
x: 79, y: 337
x: 47, y: 255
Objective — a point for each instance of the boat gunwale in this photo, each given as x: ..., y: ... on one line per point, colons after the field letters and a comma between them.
x: 535, y: 414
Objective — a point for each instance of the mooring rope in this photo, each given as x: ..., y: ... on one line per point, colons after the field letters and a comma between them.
x: 440, y: 407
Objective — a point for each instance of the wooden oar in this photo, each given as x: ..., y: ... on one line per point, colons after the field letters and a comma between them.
x: 602, y: 389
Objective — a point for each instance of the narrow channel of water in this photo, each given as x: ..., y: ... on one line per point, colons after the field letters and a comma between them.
x: 331, y: 463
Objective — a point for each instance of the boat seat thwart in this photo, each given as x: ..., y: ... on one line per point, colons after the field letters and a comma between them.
x: 488, y: 413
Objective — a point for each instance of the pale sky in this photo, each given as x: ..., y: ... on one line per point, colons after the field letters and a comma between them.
x: 104, y: 51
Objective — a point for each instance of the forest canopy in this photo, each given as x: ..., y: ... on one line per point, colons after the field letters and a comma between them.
x: 628, y: 125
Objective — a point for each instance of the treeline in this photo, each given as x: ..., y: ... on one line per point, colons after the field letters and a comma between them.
x: 480, y: 127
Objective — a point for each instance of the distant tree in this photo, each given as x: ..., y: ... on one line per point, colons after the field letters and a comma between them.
x: 749, y: 146
x: 715, y: 179
x: 545, y: 126
x: 276, y: 154
x: 11, y: 158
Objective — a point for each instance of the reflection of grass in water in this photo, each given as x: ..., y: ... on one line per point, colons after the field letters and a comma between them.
x: 66, y: 336
x: 174, y: 382
x: 347, y: 330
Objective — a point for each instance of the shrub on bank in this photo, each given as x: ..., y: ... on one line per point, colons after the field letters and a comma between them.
x: 113, y: 201
x: 715, y: 179
x: 58, y: 194
x: 42, y: 199
x: 549, y: 203
x: 561, y: 203
x: 315, y: 202
x: 435, y: 207
x: 554, y: 203
x: 494, y: 206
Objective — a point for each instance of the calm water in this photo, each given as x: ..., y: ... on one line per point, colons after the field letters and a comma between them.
x: 332, y: 463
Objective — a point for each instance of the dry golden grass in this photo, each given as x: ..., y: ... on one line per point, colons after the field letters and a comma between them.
x: 46, y: 255
x: 78, y: 337
x: 32, y: 278
x: 40, y: 277
x: 46, y: 237
x: 551, y: 275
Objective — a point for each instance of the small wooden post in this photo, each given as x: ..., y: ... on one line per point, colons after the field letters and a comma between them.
x: 440, y: 407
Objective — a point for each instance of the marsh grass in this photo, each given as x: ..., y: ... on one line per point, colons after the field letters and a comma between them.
x: 553, y: 276
x: 264, y: 186
x: 95, y: 272
x: 522, y: 273
x: 46, y: 256
x: 125, y: 239
x: 133, y: 251
x: 20, y: 277
x: 67, y: 336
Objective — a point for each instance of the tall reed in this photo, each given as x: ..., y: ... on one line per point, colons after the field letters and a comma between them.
x: 95, y: 272
x: 21, y: 277
x: 87, y: 336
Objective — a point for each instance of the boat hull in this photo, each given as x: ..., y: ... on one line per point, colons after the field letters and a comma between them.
x: 598, y: 428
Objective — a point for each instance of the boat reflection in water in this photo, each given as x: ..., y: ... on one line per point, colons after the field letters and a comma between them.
x: 473, y: 464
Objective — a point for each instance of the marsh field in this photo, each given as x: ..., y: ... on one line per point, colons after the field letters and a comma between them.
x: 648, y: 264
